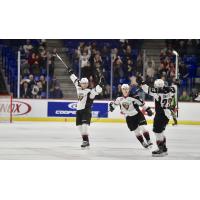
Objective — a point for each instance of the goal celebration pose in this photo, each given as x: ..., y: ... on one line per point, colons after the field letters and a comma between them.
x: 163, y: 97
x: 135, y: 119
x: 85, y: 100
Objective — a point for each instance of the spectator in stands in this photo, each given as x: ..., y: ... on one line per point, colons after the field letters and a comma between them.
x: 183, y: 71
x: 119, y: 93
x: 185, y: 97
x: 118, y: 68
x: 31, y: 81
x: 131, y: 70
x: 106, y: 92
x: 114, y: 53
x: 162, y: 70
x: 43, y: 59
x: 191, y: 45
x: 139, y: 64
x: 151, y: 69
x: 54, y: 82
x: 32, y: 59
x: 35, y: 68
x: 85, y: 65
x: 97, y: 60
x: 44, y: 83
x: 150, y: 72
x: 27, y: 47
x: 162, y: 55
x: 56, y: 93
x: 25, y: 90
x: 53, y: 55
x: 37, y: 90
x: 25, y: 68
x: 51, y: 68
x: 91, y: 82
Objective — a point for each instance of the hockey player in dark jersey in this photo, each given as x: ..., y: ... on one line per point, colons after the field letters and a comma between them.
x: 85, y: 100
x: 163, y: 98
x: 129, y: 105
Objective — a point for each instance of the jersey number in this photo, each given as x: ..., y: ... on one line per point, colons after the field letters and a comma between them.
x: 80, y: 98
x: 166, y: 102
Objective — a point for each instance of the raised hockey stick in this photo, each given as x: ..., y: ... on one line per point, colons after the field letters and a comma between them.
x: 62, y: 61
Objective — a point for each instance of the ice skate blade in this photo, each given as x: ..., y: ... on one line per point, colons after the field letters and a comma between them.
x: 85, y: 148
x: 160, y: 155
x: 150, y: 146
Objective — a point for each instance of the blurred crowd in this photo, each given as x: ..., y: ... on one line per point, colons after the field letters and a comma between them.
x: 95, y: 58
x: 37, y: 71
x: 189, y: 51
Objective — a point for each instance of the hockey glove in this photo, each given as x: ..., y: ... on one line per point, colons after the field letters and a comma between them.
x: 149, y: 111
x: 111, y: 107
x: 98, y: 89
x: 70, y: 71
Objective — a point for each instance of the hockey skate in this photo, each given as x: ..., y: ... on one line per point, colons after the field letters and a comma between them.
x: 161, y: 152
x: 145, y: 145
x: 150, y: 144
x: 85, y: 144
x: 175, y: 123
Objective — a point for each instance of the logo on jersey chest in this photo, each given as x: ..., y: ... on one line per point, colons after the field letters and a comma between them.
x: 125, y: 105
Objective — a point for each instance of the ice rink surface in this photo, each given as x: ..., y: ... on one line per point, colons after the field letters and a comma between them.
x: 109, y: 141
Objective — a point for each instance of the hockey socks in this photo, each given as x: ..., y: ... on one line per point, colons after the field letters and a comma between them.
x: 140, y: 138
x: 146, y: 135
x: 85, y: 138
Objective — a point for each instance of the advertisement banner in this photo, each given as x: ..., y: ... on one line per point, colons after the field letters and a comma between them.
x: 68, y: 109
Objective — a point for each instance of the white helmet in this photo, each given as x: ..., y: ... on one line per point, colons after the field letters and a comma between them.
x: 84, y: 80
x: 159, y: 83
x: 125, y: 86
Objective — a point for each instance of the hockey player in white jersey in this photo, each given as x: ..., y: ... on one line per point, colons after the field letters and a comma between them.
x: 163, y: 98
x: 85, y: 100
x: 197, y: 97
x: 135, y: 119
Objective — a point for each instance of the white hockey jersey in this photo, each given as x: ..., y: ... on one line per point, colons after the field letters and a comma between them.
x: 129, y: 105
x: 85, y: 96
x: 163, y: 98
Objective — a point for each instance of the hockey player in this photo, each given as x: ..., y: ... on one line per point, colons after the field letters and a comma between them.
x: 173, y: 111
x: 135, y: 119
x: 85, y: 101
x: 163, y: 98
x: 197, y: 97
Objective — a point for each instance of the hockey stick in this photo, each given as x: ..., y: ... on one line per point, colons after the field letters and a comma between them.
x: 62, y: 61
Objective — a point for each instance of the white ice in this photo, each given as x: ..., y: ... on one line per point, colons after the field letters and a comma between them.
x: 108, y: 141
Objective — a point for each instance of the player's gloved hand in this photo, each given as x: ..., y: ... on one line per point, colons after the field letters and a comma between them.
x: 149, y: 111
x: 70, y: 71
x: 98, y: 89
x: 111, y: 106
x: 139, y: 80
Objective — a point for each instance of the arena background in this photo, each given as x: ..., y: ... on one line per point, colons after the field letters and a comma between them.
x: 105, y: 19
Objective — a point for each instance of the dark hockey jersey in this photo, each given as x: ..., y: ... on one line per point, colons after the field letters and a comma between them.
x: 163, y: 98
